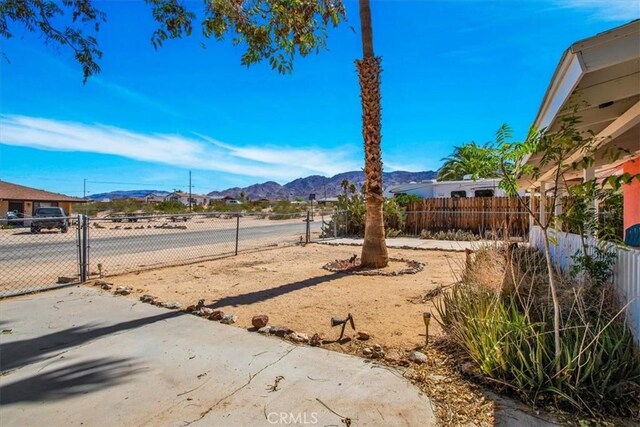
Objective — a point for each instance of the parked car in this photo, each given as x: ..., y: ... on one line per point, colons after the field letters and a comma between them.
x: 49, y: 218
x: 15, y: 218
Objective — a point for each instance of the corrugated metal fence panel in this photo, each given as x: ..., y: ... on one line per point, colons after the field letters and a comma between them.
x: 626, y: 278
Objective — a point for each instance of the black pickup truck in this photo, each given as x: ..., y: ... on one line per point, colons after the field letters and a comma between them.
x: 49, y: 218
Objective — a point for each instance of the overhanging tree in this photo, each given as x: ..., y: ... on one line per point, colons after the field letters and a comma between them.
x: 272, y: 30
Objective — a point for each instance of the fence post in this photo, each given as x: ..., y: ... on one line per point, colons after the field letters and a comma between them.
x: 237, y: 231
x: 84, y: 270
x: 308, y: 230
x: 335, y: 223
x: 79, y: 241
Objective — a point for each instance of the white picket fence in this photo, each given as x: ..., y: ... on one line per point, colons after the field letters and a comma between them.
x: 626, y: 273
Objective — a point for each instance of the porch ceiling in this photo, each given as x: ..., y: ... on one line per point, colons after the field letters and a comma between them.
x: 599, y: 79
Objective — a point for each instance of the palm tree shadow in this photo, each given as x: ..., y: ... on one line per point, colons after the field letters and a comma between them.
x: 16, y: 354
x: 69, y: 381
x: 267, y: 294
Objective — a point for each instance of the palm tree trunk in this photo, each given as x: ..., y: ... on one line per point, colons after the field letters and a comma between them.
x: 374, y: 249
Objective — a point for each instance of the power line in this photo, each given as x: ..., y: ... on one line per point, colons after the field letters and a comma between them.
x: 142, y: 184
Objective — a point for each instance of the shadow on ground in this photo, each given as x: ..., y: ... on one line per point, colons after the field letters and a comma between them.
x: 17, y: 354
x: 266, y: 294
x: 62, y: 383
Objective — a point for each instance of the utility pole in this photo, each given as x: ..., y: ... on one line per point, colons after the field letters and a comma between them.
x: 190, y: 207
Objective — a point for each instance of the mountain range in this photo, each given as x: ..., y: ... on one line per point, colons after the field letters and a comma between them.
x: 301, y: 187
x: 320, y: 185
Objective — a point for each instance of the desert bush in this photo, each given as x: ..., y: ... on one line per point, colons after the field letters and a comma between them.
x: 458, y: 235
x: 171, y: 207
x: 505, y: 328
x: 352, y: 208
x: 405, y: 200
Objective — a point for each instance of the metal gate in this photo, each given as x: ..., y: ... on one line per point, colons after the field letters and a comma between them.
x: 34, y: 258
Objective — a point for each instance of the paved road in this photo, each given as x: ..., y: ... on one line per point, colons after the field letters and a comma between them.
x: 133, y: 244
x: 78, y: 356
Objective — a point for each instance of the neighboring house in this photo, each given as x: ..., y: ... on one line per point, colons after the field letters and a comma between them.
x: 450, y: 189
x: 196, y: 199
x: 154, y: 198
x: 233, y: 202
x: 600, y: 75
x: 25, y: 200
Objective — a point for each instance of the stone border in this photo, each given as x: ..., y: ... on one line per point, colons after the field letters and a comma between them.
x: 413, y: 267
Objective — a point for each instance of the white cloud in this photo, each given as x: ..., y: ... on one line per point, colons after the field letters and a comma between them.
x: 203, y: 152
x: 606, y: 10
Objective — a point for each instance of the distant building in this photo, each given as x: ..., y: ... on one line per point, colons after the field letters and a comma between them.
x: 25, y: 200
x: 196, y: 199
x: 154, y: 198
x: 450, y: 189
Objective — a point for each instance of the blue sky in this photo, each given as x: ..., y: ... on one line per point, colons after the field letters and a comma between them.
x: 454, y: 71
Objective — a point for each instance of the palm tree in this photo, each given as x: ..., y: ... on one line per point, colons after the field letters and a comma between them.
x: 479, y: 161
x: 374, y: 248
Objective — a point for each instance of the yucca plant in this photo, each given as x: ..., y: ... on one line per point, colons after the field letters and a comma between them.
x: 510, y: 339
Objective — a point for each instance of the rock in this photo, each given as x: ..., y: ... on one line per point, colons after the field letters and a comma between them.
x: 200, y: 304
x: 367, y: 351
x: 228, y: 319
x: 149, y: 299
x: 67, y: 279
x: 216, y: 315
x: 122, y: 290
x: 418, y: 357
x: 171, y: 305
x: 298, y: 337
x: 265, y: 330
x: 377, y: 348
x: 204, y: 311
x: 260, y: 321
x: 102, y: 283
x: 106, y: 286
x: 468, y: 368
x: 363, y: 336
x: 280, y: 331
x: 315, y: 340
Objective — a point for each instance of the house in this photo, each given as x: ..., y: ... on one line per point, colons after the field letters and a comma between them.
x: 485, y: 187
x: 153, y: 198
x: 196, y: 199
x: 25, y: 200
x: 600, y: 76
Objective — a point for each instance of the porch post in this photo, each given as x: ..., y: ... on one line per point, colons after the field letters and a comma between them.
x: 589, y: 174
x: 543, y: 203
x: 557, y: 207
x: 532, y: 208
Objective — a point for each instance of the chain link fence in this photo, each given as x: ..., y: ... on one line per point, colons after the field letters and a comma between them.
x: 95, y: 247
x: 38, y: 259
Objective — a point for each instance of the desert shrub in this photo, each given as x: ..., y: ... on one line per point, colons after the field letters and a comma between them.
x: 458, y: 235
x: 505, y: 329
x: 171, y: 206
x: 351, y: 211
x: 405, y: 200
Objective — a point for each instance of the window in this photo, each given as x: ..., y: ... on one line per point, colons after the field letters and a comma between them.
x: 458, y: 194
x: 484, y: 193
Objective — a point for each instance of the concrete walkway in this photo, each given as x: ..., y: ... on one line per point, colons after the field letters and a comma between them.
x: 413, y: 243
x: 77, y: 356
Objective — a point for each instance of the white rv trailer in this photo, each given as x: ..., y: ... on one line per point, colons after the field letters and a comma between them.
x: 486, y: 187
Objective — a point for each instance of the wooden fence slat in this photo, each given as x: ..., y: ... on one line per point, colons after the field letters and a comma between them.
x: 475, y: 214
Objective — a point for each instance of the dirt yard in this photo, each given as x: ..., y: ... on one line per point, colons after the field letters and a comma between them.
x: 290, y: 286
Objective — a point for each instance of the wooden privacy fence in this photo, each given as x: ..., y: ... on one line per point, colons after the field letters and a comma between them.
x: 501, y: 216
